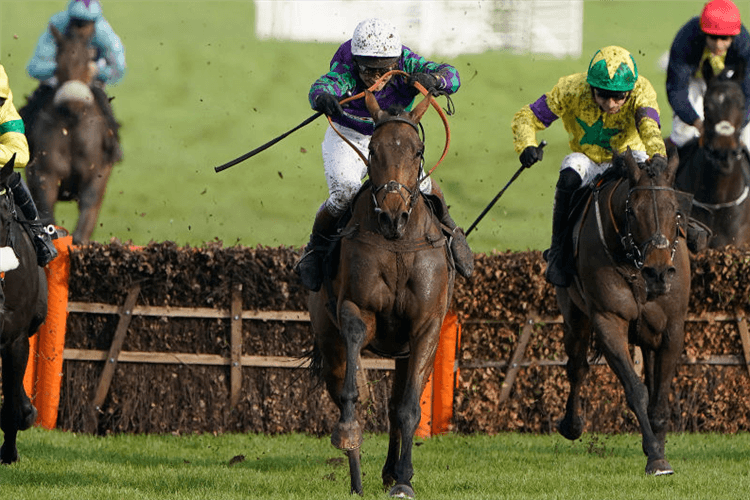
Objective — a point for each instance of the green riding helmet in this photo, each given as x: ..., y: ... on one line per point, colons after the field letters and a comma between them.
x: 612, y: 68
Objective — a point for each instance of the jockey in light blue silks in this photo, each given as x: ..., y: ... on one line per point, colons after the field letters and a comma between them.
x: 83, y: 17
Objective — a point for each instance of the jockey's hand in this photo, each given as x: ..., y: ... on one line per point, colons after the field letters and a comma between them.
x: 328, y: 104
x: 656, y: 165
x: 531, y: 155
x: 427, y: 80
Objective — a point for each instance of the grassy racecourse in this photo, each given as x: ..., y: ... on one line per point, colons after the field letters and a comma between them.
x: 201, y: 90
x: 57, y: 465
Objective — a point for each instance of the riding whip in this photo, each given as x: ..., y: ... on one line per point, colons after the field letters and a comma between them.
x: 266, y: 145
x: 497, y: 197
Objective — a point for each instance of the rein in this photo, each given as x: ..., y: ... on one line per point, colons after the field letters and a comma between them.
x: 425, y: 93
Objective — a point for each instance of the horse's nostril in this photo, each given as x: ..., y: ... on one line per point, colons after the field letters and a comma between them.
x: 384, y: 219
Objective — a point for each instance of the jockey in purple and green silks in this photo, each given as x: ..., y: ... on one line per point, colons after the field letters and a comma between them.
x: 609, y: 108
x: 13, y: 143
x: 375, y: 49
x: 85, y: 17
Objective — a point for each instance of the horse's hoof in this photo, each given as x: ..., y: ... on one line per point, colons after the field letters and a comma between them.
x: 347, y: 436
x: 28, y: 419
x: 402, y: 491
x: 659, y: 468
x: 570, y: 428
x: 8, y: 456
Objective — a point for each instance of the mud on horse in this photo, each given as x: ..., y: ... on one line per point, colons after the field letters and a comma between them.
x: 392, y: 290
x: 632, y: 287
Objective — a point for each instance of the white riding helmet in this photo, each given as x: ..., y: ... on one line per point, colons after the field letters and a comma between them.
x: 376, y: 38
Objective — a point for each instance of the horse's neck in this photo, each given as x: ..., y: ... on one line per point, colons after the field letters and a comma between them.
x: 713, y: 186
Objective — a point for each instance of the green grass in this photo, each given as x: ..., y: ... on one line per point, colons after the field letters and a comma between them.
x: 63, y: 465
x: 201, y: 90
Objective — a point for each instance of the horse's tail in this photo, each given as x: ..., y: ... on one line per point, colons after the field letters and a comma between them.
x: 315, y: 368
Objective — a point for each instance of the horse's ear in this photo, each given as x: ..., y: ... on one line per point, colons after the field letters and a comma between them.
x: 7, y: 169
x: 416, y: 114
x: 56, y: 33
x: 673, y: 161
x: 372, y: 106
x: 631, y: 169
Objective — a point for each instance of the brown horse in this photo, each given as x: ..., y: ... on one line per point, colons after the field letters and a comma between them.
x: 716, y: 167
x: 73, y: 142
x: 392, y: 290
x: 632, y: 287
x: 23, y: 308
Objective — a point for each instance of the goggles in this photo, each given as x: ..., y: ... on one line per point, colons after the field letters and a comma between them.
x: 610, y: 94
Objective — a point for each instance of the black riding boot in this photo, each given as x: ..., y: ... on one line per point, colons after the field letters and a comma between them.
x: 463, y: 257
x: 559, y: 272
x: 310, y: 265
x: 45, y: 249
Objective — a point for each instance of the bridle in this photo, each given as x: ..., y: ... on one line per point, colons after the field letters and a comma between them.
x: 393, y: 186
x: 633, y: 252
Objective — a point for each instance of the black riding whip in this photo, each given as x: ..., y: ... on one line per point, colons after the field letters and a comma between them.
x: 266, y: 145
x: 497, y: 197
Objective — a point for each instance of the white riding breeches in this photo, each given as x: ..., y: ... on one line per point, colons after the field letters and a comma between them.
x: 588, y: 169
x: 345, y: 170
x: 681, y: 131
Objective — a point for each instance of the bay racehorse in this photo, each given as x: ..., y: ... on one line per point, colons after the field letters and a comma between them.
x: 23, y: 308
x: 390, y: 294
x: 632, y: 286
x: 73, y: 141
x: 716, y: 166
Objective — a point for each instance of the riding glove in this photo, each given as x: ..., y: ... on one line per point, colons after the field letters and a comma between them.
x: 531, y: 155
x: 427, y: 80
x: 328, y: 104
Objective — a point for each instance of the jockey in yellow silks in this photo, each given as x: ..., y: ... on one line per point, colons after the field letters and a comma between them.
x: 606, y: 109
x: 13, y: 142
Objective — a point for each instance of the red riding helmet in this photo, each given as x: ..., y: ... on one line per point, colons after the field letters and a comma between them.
x: 721, y: 18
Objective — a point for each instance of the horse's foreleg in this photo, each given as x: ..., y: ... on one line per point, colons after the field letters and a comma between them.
x: 17, y: 413
x: 43, y: 189
x: 612, y: 335
x: 408, y: 411
x: 347, y: 435
x: 89, y: 205
x: 394, y: 431
x: 664, y: 368
x: 576, y: 339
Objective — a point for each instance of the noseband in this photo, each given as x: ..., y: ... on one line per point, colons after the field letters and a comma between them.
x: 658, y: 240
